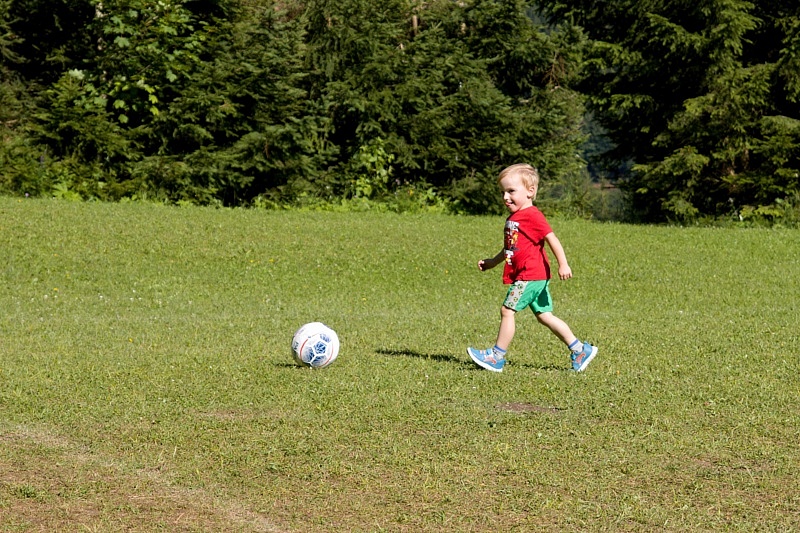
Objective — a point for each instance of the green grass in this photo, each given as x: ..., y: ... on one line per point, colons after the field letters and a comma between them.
x: 146, y: 381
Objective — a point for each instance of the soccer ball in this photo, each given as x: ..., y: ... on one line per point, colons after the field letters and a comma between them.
x: 315, y: 345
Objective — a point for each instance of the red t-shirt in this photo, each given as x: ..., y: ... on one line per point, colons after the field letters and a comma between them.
x: 526, y: 259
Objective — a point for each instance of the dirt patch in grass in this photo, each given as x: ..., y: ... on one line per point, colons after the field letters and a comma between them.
x: 522, y: 407
x: 50, y: 484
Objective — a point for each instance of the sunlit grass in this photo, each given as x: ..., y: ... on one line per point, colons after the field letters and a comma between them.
x: 145, y: 354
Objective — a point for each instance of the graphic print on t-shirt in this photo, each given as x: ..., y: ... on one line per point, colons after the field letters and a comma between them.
x: 512, y: 234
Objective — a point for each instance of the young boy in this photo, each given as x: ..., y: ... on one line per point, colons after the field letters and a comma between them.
x: 527, y: 270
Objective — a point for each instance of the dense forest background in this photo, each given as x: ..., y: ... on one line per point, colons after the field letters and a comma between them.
x: 647, y: 110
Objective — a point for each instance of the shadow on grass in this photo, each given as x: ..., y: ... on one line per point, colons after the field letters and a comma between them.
x: 545, y: 368
x: 448, y: 358
x: 289, y: 365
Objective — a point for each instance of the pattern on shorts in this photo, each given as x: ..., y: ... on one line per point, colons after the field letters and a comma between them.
x: 534, y: 294
x: 515, y: 293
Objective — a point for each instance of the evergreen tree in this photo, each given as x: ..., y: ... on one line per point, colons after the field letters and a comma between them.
x: 10, y: 105
x: 49, y: 35
x: 701, y: 96
x: 182, y: 101
x: 236, y: 123
x: 453, y: 92
x: 21, y: 171
x: 239, y: 101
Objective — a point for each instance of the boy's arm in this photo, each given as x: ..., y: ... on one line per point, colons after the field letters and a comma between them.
x: 486, y: 264
x: 564, y: 271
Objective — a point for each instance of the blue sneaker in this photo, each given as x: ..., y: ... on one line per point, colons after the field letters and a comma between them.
x: 580, y: 360
x: 486, y: 359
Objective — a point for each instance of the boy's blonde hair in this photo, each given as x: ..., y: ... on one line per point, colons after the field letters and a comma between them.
x: 528, y: 174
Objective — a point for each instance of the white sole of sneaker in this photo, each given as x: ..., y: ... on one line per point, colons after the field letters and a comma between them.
x: 482, y: 364
x: 588, y: 359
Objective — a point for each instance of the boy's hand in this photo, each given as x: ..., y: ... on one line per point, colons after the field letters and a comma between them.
x: 486, y: 264
x: 564, y: 272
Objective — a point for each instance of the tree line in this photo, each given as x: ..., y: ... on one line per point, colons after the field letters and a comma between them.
x: 689, y: 108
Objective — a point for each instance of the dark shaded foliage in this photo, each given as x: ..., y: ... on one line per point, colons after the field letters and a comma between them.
x: 237, y: 101
x: 701, y: 97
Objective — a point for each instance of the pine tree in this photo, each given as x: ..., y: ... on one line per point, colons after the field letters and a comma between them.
x: 701, y: 96
x: 243, y: 101
x: 453, y: 91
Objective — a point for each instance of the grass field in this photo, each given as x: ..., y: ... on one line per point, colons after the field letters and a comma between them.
x: 146, y: 382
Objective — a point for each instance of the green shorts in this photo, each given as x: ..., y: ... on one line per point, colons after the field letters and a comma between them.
x: 533, y: 294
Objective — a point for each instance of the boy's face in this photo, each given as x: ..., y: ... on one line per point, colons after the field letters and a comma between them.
x: 515, y: 195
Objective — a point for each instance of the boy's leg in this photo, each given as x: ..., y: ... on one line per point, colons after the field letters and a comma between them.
x: 495, y: 358
x: 582, y: 352
x: 557, y: 326
x: 508, y: 327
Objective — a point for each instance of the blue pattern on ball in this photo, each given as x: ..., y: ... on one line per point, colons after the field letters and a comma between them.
x: 315, y: 345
